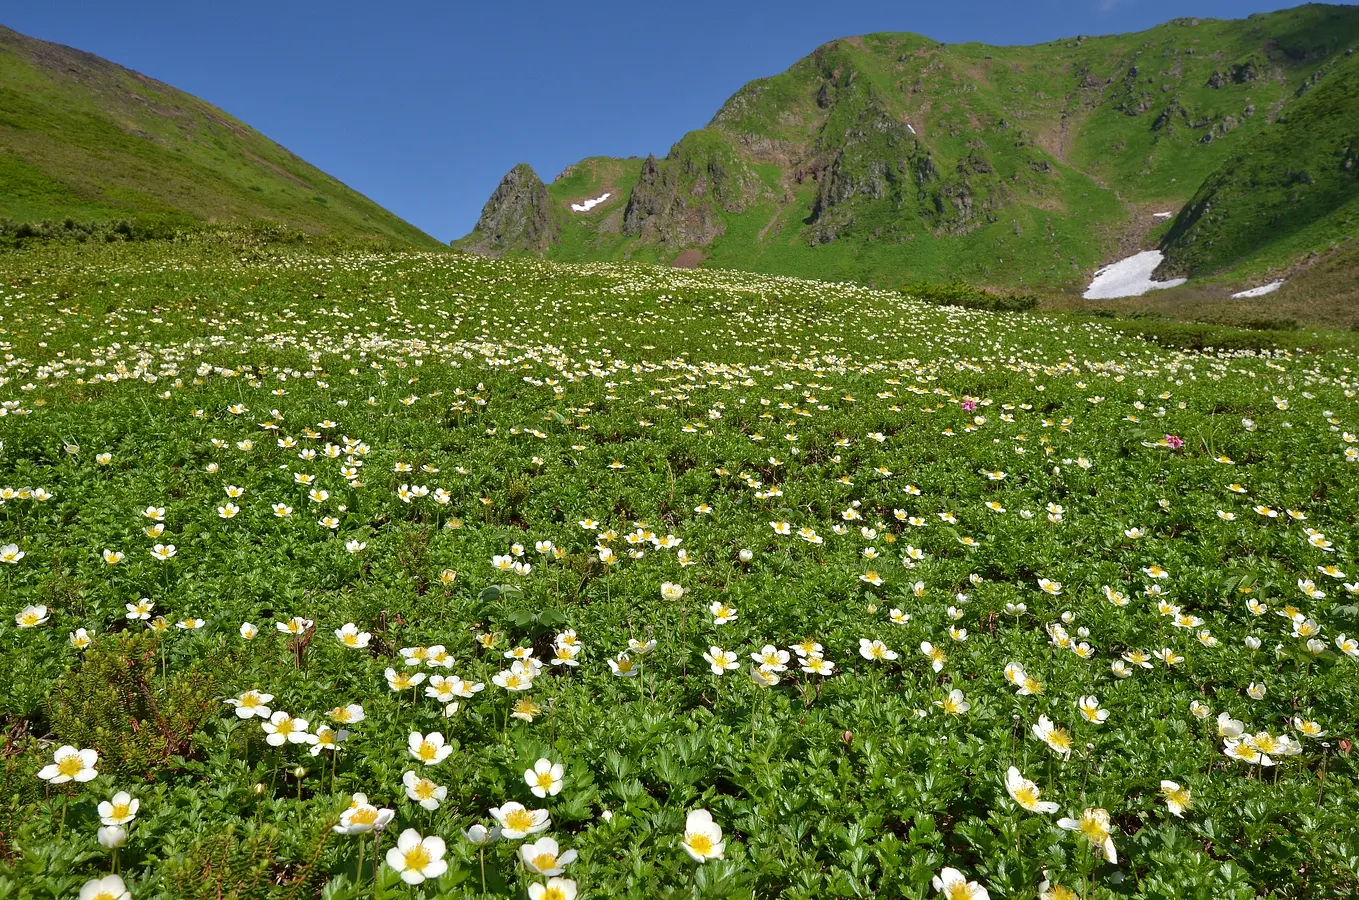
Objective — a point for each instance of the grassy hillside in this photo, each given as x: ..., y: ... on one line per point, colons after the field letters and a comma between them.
x: 1293, y: 188
x: 892, y: 158
x: 81, y: 137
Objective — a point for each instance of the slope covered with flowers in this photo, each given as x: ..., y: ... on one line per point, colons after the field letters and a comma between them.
x: 424, y: 575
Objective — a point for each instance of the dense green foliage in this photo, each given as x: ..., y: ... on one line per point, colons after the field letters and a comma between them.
x: 85, y: 139
x: 202, y: 434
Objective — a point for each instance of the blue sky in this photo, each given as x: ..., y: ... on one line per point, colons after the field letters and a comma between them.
x: 423, y: 106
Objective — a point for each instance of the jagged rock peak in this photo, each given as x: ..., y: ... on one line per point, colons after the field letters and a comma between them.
x: 518, y: 216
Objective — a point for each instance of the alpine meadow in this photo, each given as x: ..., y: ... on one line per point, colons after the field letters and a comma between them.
x: 342, y: 564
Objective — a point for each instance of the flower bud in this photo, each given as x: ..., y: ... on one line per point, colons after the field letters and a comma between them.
x: 111, y: 837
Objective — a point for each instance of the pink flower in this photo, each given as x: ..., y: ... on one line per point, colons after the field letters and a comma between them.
x: 969, y: 405
x: 1174, y: 441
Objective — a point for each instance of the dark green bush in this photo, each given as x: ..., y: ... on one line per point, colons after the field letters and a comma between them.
x: 960, y: 293
x: 120, y: 704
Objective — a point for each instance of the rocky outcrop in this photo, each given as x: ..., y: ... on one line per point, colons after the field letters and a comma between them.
x: 518, y: 217
x: 881, y: 165
x: 679, y: 201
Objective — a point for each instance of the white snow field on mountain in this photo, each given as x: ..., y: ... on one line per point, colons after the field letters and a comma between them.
x: 587, y: 205
x: 1129, y: 277
x: 1258, y: 291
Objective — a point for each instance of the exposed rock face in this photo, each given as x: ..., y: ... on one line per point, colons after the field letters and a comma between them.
x: 518, y: 217
x: 880, y: 162
x: 679, y: 201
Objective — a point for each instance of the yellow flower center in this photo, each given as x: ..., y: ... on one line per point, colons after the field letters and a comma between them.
x: 544, y: 861
x: 70, y: 766
x: 284, y: 725
x: 424, y: 789
x: 1026, y: 796
x: 701, y: 844
x: 417, y: 858
x: 554, y: 893
x: 519, y: 820
x: 364, y: 815
x: 958, y: 890
x: 427, y: 750
x: 1093, y: 829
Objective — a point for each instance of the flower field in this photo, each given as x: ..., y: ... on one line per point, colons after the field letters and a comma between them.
x: 422, y: 575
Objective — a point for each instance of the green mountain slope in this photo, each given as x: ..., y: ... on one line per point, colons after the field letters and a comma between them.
x: 84, y: 138
x: 894, y: 158
x: 1295, y: 187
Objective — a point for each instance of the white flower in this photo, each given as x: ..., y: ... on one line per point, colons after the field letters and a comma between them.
x: 702, y: 837
x: 876, y: 650
x: 518, y: 822
x: 955, y: 886
x: 284, y: 729
x: 362, y: 817
x: 720, y: 660
x: 121, y: 810
x: 543, y: 857
x: 110, y: 887
x: 351, y: 637
x: 555, y: 889
x: 416, y: 858
x: 1026, y: 793
x: 1091, y: 712
x: 423, y: 791
x: 295, y: 625
x: 1094, y: 824
x: 31, y: 616
x: 429, y: 749
x: 1177, y: 798
x: 70, y: 764
x: 545, y: 778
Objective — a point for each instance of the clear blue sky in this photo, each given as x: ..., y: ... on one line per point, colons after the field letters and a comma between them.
x: 423, y: 106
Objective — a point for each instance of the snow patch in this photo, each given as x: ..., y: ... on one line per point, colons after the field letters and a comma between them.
x: 1163, y: 215
x: 1129, y: 277
x: 1259, y: 291
x: 587, y: 205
